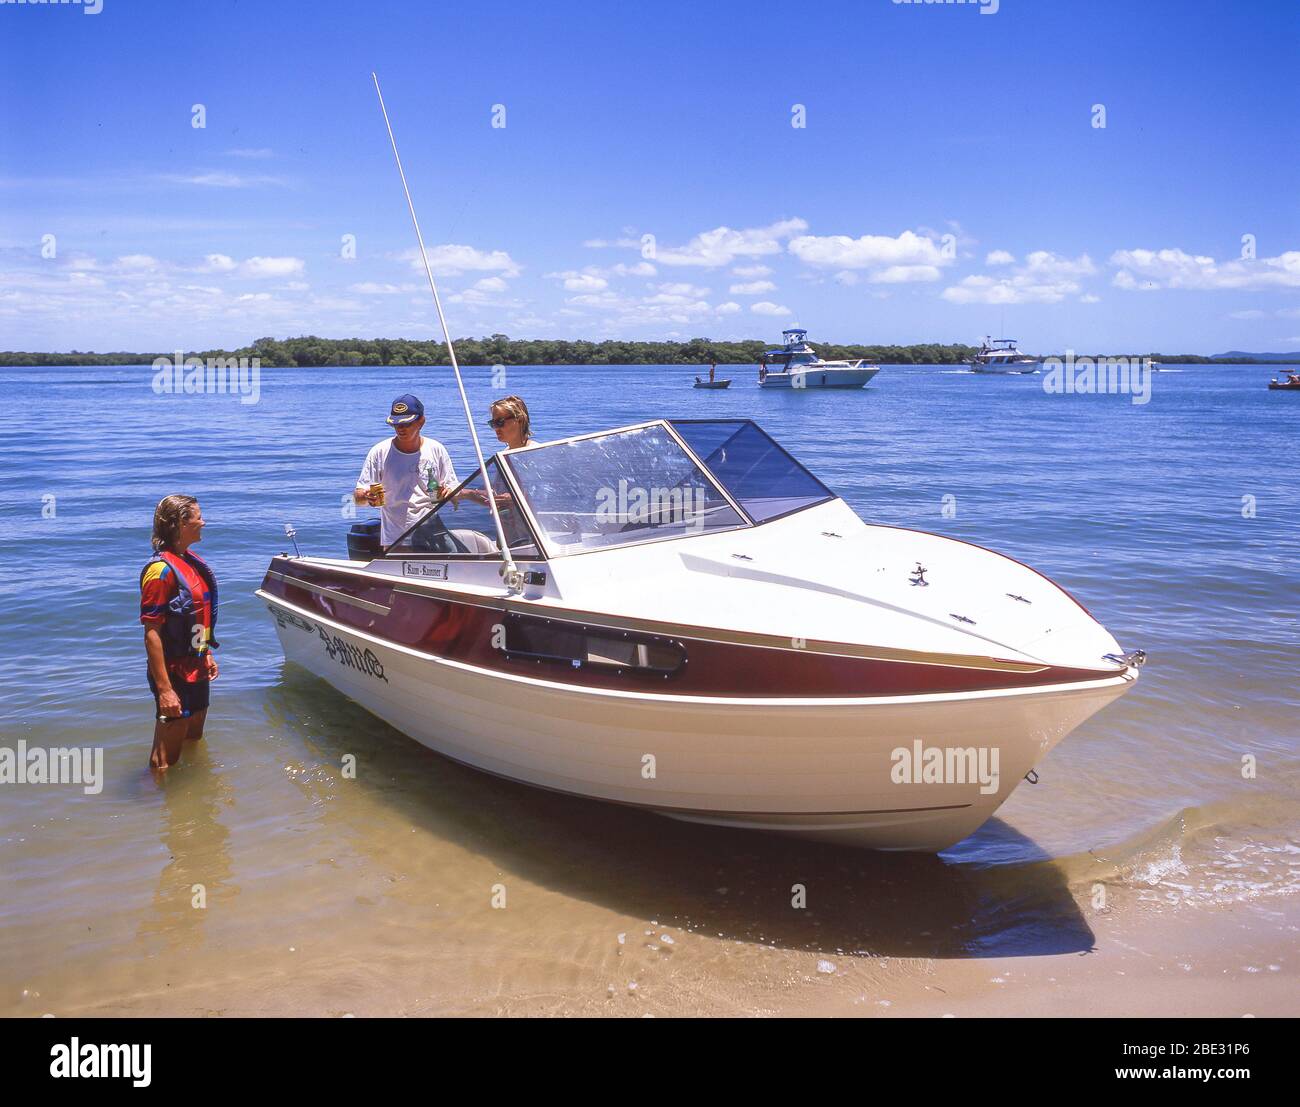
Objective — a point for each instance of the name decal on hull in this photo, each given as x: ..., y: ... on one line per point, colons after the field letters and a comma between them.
x: 364, y: 661
x: 418, y: 569
x: 288, y: 618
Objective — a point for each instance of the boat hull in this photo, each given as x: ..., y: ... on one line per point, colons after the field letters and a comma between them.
x: 1006, y: 370
x: 819, y: 378
x: 821, y: 768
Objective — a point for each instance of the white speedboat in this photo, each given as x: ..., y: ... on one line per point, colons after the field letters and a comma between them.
x: 690, y: 622
x: 798, y: 366
x: 1000, y: 355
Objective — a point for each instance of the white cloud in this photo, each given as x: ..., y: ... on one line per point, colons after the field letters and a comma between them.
x: 682, y: 290
x: 218, y: 263
x: 640, y: 269
x: 1044, y: 278
x: 585, y: 282
x: 910, y: 256
x: 271, y: 267
x: 626, y: 243
x: 248, y: 152
x: 766, y: 307
x: 723, y: 245
x: 1252, y: 313
x: 1148, y: 270
x: 752, y: 288
x: 999, y: 257
x: 451, y: 260
x: 902, y: 274
x: 751, y: 271
x: 377, y: 288
x: 137, y: 262
x: 221, y: 179
x: 729, y: 308
x: 490, y: 284
x: 1089, y: 298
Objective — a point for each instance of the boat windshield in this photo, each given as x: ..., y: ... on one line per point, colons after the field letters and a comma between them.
x: 760, y: 476
x: 462, y: 525
x: 615, y: 489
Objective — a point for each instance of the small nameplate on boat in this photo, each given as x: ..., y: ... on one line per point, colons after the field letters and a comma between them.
x: 288, y: 618
x: 422, y: 569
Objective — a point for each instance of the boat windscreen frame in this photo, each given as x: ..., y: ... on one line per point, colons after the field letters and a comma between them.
x: 718, y: 480
x: 539, y: 532
x: 387, y: 552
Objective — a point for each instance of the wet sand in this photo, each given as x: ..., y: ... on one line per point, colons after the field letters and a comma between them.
x: 377, y: 899
x: 1234, y: 964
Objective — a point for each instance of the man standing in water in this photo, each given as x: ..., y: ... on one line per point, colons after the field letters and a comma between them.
x: 178, y: 607
x: 404, y: 475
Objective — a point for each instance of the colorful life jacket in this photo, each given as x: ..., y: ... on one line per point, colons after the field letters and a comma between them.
x: 177, y: 631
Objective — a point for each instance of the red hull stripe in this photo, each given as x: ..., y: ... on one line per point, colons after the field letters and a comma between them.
x: 462, y: 630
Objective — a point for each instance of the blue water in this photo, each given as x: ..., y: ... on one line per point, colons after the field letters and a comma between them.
x: 1176, y: 522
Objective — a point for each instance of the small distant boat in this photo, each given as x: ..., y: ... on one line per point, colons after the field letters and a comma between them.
x: 1291, y: 384
x: 798, y: 366
x: 1001, y: 355
x: 712, y: 384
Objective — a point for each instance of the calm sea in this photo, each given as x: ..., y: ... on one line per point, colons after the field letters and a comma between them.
x: 258, y: 871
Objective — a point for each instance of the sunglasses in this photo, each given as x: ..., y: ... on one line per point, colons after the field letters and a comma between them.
x: 497, y: 424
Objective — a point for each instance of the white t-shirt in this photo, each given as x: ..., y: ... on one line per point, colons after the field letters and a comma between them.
x: 406, y: 479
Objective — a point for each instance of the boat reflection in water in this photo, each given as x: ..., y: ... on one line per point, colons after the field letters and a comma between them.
x: 695, y: 625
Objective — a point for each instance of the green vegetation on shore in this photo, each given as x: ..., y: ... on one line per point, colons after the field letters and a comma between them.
x: 310, y: 351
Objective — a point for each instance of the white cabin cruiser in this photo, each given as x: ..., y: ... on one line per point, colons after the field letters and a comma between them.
x: 1001, y: 355
x: 798, y: 366
x: 691, y: 623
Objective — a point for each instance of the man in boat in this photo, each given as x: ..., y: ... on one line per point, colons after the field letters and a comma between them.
x: 713, y: 369
x: 404, y: 476
x: 178, y: 607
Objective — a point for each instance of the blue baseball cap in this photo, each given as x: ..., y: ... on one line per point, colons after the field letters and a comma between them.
x: 406, y: 409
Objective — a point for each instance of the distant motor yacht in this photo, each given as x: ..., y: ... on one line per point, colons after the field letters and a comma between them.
x: 798, y: 366
x: 1001, y: 355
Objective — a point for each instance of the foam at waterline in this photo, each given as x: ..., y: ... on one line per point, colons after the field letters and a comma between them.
x: 1208, y: 855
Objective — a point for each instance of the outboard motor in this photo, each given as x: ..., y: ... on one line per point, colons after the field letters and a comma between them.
x: 363, y: 541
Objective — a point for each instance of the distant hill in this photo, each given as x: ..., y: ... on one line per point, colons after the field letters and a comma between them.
x: 1259, y: 357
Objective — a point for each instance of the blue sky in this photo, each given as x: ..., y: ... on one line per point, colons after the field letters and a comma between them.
x: 949, y: 181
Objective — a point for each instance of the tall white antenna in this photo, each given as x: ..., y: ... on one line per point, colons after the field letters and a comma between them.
x: 510, y: 571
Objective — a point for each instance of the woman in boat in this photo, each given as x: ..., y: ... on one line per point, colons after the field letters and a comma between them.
x: 509, y: 418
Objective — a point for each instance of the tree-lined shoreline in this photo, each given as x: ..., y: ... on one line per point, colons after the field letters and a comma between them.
x: 309, y: 351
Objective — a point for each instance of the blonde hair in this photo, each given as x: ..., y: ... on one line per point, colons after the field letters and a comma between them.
x: 168, y: 516
x: 516, y: 407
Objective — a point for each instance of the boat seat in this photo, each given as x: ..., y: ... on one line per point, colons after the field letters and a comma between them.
x: 474, y: 541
